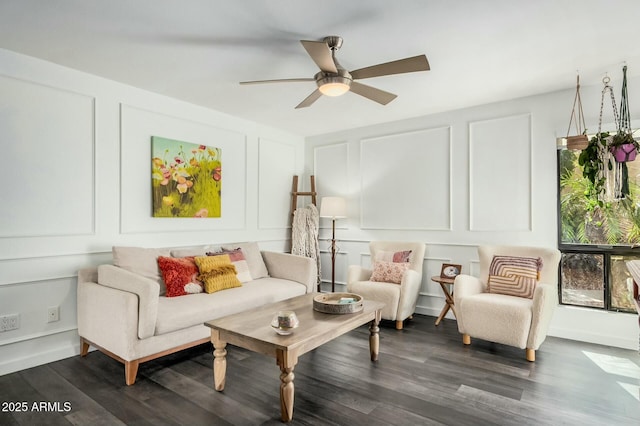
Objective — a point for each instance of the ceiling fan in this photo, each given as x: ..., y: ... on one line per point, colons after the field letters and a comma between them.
x: 334, y: 80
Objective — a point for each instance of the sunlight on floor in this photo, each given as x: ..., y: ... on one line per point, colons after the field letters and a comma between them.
x: 634, y: 390
x: 615, y: 365
x: 618, y: 366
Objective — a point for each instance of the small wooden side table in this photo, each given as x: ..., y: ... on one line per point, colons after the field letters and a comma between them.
x: 448, y: 295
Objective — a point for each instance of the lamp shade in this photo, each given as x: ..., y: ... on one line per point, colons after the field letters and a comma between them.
x: 334, y: 207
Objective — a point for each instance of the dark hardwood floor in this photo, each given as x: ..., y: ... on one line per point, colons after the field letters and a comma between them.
x: 425, y: 376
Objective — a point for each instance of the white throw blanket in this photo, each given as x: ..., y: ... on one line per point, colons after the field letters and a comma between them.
x: 304, y: 234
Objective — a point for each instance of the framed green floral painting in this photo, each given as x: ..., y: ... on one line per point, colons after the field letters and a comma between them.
x: 186, y: 179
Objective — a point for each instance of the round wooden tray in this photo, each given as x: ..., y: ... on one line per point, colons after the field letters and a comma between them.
x: 329, y: 303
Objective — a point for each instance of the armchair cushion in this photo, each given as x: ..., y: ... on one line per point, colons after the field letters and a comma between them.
x: 390, y: 272
x: 497, y: 317
x: 514, y: 275
x: 380, y: 291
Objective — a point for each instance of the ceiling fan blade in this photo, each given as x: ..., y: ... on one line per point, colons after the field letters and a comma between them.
x: 321, y: 55
x: 377, y: 95
x: 310, y: 99
x: 282, y: 80
x: 416, y: 63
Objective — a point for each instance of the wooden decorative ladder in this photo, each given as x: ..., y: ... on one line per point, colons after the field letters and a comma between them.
x: 295, y: 193
x: 294, y: 200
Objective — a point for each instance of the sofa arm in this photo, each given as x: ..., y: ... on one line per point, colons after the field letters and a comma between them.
x: 357, y: 273
x: 108, y: 318
x: 147, y: 291
x: 545, y: 300
x: 292, y: 267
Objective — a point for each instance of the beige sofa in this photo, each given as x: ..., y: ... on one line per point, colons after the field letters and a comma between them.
x: 122, y: 312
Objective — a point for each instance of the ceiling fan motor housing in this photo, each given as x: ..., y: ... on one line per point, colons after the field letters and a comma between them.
x: 341, y: 77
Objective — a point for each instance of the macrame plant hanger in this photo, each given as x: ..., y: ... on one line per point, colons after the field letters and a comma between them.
x: 624, y: 126
x: 610, y: 171
x: 580, y: 139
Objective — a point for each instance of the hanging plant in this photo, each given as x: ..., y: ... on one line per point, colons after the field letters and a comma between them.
x: 609, y: 178
x: 579, y: 140
x: 623, y: 146
x: 591, y: 161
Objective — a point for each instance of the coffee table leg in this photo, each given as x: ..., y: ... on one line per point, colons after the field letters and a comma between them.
x: 219, y: 360
x: 374, y: 337
x: 286, y: 362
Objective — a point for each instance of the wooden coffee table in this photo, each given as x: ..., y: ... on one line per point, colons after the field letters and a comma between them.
x: 252, y: 330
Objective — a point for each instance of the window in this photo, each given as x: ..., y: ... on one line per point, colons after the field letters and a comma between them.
x: 596, y: 238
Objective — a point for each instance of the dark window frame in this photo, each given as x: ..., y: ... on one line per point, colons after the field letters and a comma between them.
x: 597, y: 249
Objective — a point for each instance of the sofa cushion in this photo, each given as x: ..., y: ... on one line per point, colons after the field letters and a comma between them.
x: 251, y: 252
x: 141, y: 261
x: 180, y: 275
x: 176, y: 313
x: 513, y: 275
x: 189, y: 251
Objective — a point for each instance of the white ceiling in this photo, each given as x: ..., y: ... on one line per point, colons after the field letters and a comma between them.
x: 480, y: 51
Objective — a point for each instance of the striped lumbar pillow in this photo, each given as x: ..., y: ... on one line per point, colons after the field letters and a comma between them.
x: 514, y: 276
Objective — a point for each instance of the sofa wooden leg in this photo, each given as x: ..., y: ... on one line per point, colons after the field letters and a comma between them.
x: 130, y: 371
x: 84, y: 347
x: 466, y: 339
x: 531, y: 355
x: 399, y: 325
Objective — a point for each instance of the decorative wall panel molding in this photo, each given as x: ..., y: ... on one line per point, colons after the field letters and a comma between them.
x: 16, y: 272
x: 137, y: 127
x: 500, y: 182
x: 48, y: 148
x: 277, y: 166
x: 331, y: 168
x: 406, y: 181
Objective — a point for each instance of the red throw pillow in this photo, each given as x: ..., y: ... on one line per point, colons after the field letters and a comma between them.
x: 180, y: 275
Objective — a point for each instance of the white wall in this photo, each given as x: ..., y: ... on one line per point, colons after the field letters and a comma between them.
x: 482, y: 175
x: 76, y: 153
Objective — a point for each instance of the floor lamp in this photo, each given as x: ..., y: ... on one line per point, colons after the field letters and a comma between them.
x: 334, y: 208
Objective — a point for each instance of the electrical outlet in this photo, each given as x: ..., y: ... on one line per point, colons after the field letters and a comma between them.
x: 9, y: 322
x: 53, y: 314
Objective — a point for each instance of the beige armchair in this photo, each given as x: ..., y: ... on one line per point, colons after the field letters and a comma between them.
x: 400, y: 298
x: 509, y: 320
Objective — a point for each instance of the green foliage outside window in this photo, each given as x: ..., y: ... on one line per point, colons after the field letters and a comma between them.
x: 585, y: 219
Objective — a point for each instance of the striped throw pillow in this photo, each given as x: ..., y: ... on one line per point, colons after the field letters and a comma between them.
x: 514, y: 276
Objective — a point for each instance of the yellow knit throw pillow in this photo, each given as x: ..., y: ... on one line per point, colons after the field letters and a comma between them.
x: 217, y: 273
x: 208, y: 263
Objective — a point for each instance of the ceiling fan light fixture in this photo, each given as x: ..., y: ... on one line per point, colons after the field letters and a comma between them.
x: 334, y: 85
